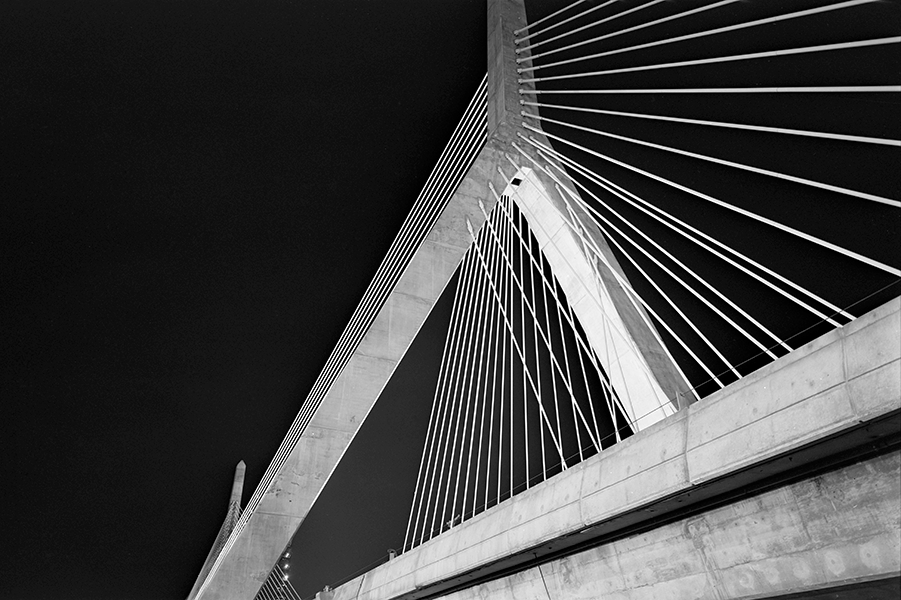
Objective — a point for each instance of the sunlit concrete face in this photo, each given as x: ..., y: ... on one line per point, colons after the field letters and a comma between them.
x: 643, y: 399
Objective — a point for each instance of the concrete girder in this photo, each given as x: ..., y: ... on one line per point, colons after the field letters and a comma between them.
x: 831, y: 400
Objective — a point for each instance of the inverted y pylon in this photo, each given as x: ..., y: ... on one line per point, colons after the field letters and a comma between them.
x: 637, y: 361
x: 310, y: 454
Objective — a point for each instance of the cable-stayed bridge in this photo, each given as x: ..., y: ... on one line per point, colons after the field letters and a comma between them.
x: 672, y: 365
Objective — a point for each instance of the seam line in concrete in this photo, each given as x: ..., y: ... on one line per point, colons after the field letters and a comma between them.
x: 771, y: 414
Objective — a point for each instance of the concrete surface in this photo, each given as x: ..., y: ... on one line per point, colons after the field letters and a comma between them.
x: 826, y: 399
x: 643, y: 399
x: 682, y: 451
x: 837, y: 529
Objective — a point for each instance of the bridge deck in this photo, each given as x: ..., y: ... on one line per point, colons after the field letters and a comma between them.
x: 831, y: 400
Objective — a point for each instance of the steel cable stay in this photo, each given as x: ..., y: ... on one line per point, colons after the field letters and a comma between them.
x: 469, y: 341
x: 484, y: 323
x: 682, y: 228
x: 535, y: 345
x: 465, y: 143
x: 533, y: 378
x: 619, y: 31
x: 595, y: 23
x: 431, y: 434
x: 544, y: 335
x: 579, y: 336
x: 559, y: 23
x: 812, y: 89
x: 493, y: 361
x: 492, y: 344
x: 456, y: 408
x: 720, y: 161
x: 448, y: 362
x: 637, y: 299
x: 509, y: 283
x: 791, y: 230
x: 680, y: 38
x: 723, y: 59
x: 470, y: 370
x: 547, y: 17
x: 745, y: 127
x: 551, y: 155
x: 507, y: 296
x: 576, y: 198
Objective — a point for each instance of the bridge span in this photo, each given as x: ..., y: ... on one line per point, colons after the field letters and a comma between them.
x: 670, y: 401
x: 786, y: 481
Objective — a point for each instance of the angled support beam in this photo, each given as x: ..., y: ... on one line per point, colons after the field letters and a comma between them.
x: 547, y: 211
x: 228, y: 525
x: 287, y: 499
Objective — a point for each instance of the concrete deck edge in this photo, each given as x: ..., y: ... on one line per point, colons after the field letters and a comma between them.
x: 840, y: 382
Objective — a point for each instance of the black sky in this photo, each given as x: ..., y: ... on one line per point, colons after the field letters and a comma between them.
x: 195, y: 195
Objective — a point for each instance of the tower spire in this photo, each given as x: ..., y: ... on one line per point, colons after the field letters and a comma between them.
x: 238, y: 484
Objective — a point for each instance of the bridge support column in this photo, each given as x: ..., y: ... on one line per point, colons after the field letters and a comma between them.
x: 590, y: 284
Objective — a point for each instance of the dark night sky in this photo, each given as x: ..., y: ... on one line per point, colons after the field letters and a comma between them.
x: 195, y: 195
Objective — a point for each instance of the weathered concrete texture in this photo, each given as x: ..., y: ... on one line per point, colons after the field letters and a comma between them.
x: 735, y: 437
x: 832, y: 529
x: 522, y: 585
